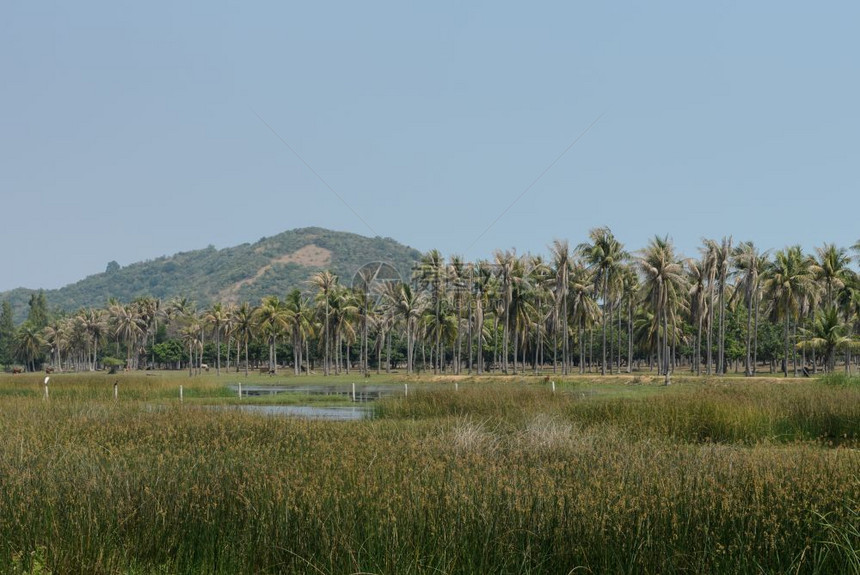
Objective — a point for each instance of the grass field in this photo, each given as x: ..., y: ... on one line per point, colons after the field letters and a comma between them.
x: 501, y: 475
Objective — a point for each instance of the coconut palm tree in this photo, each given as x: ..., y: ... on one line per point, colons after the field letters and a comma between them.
x: 831, y: 270
x: 244, y: 326
x: 408, y: 305
x: 301, y: 311
x: 697, y: 279
x: 604, y: 255
x: 272, y: 319
x: 629, y: 292
x: 215, y: 318
x: 828, y: 334
x: 190, y: 333
x: 127, y: 326
x: 583, y: 309
x: 542, y: 281
x: 55, y: 337
x: 747, y: 261
x: 459, y: 290
x: 718, y: 258
x: 95, y: 326
x: 431, y: 276
x: 788, y: 279
x: 663, y: 284
x: 561, y: 262
x: 325, y: 282
x: 29, y: 344
x: 504, y: 262
x: 482, y: 287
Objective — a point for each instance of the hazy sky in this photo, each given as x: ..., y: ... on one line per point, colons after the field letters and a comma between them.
x: 130, y: 130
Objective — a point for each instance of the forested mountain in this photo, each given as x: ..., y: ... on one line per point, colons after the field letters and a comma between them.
x: 270, y: 266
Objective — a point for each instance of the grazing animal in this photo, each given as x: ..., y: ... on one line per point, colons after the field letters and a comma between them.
x: 204, y: 366
x: 49, y: 370
x: 17, y: 370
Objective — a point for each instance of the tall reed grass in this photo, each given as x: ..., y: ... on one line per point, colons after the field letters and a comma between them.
x: 504, y: 480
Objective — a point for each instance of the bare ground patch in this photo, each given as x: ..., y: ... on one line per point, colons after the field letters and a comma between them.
x: 310, y: 256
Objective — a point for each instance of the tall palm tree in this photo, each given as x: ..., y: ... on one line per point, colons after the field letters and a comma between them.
x: 55, y: 337
x: 216, y: 317
x: 244, y: 326
x: 300, y: 309
x: 663, y: 284
x: 831, y: 270
x: 828, y: 334
x: 325, y: 282
x: 604, y: 255
x: 272, y: 319
x: 128, y: 327
x: 561, y: 262
x: 788, y: 279
x: 190, y: 333
x: 430, y: 275
x: 697, y: 280
x: 718, y: 258
x: 407, y: 304
x: 629, y: 292
x: 482, y: 286
x: 457, y: 282
x: 29, y: 344
x: 747, y: 262
x: 584, y: 311
x: 542, y: 281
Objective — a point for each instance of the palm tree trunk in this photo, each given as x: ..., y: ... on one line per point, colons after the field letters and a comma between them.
x: 409, y: 346
x: 710, y: 328
x: 479, y: 336
x: 581, y: 351
x: 603, y: 319
x: 748, y: 371
x: 618, y: 313
x: 630, y: 335
x: 814, y: 370
x: 794, y: 359
x: 388, y: 351
x: 755, y: 332
x: 785, y: 361
x: 721, y: 334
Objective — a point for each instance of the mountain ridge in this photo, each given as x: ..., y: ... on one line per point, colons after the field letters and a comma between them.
x: 246, y: 272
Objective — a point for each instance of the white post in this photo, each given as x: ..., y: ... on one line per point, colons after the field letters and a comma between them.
x: 240, y: 390
x: 406, y: 390
x: 553, y: 387
x: 46, y: 387
x: 456, y: 386
x: 180, y: 394
x: 353, y: 392
x: 116, y: 390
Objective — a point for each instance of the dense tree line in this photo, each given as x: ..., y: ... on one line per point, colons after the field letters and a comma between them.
x: 596, y: 307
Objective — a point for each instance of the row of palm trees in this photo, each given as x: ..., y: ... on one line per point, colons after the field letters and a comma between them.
x: 508, y: 313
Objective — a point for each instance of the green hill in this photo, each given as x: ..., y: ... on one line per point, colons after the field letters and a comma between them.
x: 271, y: 266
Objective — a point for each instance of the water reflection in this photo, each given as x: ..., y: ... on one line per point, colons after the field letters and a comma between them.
x: 349, y: 413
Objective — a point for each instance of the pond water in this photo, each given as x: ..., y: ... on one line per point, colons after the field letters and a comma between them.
x: 361, y: 393
x: 350, y: 413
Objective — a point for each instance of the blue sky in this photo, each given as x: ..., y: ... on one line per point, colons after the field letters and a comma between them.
x: 130, y: 131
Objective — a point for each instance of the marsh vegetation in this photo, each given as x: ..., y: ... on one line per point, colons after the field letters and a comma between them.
x: 501, y: 476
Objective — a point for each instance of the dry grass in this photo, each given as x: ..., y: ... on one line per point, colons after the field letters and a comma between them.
x: 505, y: 479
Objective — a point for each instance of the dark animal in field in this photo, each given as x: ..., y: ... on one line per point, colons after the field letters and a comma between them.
x: 17, y: 370
x: 49, y: 370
